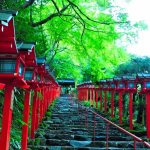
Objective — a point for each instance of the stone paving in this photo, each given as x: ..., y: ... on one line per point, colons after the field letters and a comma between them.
x: 65, y: 130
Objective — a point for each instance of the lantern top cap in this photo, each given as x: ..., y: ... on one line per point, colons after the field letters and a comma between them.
x: 109, y: 80
x: 117, y: 79
x: 143, y: 75
x: 10, y: 12
x: 6, y: 15
x: 25, y: 46
x: 40, y: 60
x: 102, y: 81
x: 128, y: 78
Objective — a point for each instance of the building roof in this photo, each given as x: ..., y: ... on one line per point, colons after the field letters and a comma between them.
x: 12, y: 12
x: 6, y: 16
x: 66, y: 82
x: 25, y: 46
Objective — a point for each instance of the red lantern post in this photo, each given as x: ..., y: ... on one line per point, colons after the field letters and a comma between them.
x: 112, y: 90
x: 12, y: 69
x: 96, y: 96
x: 144, y: 81
x: 120, y: 87
x: 130, y: 87
x: 27, y: 50
x: 41, y: 72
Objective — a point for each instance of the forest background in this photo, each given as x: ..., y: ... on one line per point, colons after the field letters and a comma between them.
x: 78, y: 38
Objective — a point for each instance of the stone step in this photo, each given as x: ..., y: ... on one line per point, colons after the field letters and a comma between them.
x: 82, y: 131
x: 89, y: 143
x: 73, y: 125
x: 71, y: 148
x: 81, y: 137
x: 65, y: 130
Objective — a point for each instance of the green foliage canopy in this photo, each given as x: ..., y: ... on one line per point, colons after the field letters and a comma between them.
x: 78, y: 38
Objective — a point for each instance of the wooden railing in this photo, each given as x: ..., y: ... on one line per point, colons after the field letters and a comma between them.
x: 107, y: 124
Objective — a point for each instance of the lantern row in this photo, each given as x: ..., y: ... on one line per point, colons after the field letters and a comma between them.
x: 20, y: 68
x: 125, y: 84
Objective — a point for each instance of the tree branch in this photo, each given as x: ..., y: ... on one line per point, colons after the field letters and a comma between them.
x: 48, y: 18
x: 106, y: 23
x: 55, y: 5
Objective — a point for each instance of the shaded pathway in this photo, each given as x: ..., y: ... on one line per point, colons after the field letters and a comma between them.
x: 66, y: 131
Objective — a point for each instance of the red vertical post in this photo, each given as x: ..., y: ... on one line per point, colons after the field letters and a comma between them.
x: 44, y: 100
x: 80, y: 94
x: 38, y: 110
x: 34, y: 111
x: 7, y: 117
x: 87, y: 94
x: 131, y: 110
x: 84, y: 94
x: 41, y: 105
x: 47, y: 98
x: 105, y: 101
x: 112, y: 104
x: 91, y: 103
x: 26, y: 111
x: 54, y: 92
x: 93, y: 96
x: 120, y: 107
x: 101, y: 99
x: 148, y: 114
x: 50, y: 95
x: 96, y: 97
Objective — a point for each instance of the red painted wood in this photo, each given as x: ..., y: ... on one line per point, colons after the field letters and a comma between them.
x: 2, y: 86
x: 101, y: 100
x: 37, y: 113
x: 120, y: 107
x: 7, y: 117
x: 112, y: 104
x: 90, y: 96
x: 25, y: 120
x: 93, y: 95
x: 148, y: 114
x: 34, y: 111
x: 105, y: 101
x: 96, y: 97
x: 7, y: 40
x: 87, y: 94
x: 131, y: 110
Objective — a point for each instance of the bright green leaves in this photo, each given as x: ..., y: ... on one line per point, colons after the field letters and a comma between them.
x: 103, y: 4
x: 79, y: 42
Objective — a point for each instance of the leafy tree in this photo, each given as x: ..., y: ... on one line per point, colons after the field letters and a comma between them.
x: 134, y: 66
x: 78, y: 38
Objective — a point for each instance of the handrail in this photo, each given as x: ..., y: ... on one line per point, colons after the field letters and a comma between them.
x: 118, y: 127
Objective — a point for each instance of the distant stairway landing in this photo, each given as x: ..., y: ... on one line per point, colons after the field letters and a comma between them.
x: 66, y: 130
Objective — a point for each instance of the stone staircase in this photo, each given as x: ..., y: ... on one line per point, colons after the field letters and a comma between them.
x: 65, y: 130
